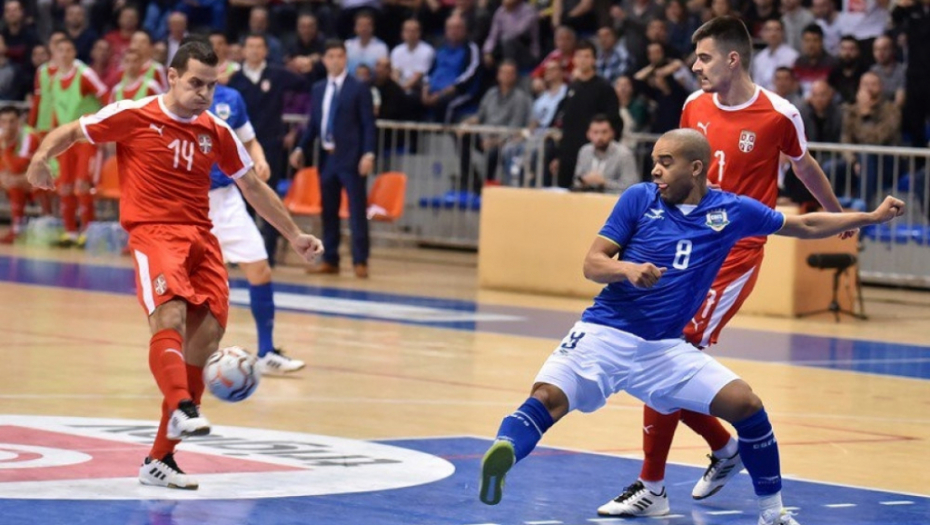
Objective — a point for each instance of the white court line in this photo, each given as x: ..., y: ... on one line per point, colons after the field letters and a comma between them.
x: 544, y: 522
x: 895, y: 502
x: 839, y: 505
x: 857, y: 361
x: 724, y: 512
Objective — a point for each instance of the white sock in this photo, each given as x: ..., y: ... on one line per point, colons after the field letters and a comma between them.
x: 728, y: 451
x: 654, y: 486
x: 771, y: 502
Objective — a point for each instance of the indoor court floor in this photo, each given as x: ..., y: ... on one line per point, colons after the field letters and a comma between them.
x: 409, y: 374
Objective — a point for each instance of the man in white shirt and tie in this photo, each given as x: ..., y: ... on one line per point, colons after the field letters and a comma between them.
x: 342, y: 117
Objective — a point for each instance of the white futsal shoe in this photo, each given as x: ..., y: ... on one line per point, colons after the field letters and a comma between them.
x: 165, y: 473
x: 186, y: 421
x: 777, y: 517
x: 636, y: 500
x: 717, y: 475
x: 275, y: 363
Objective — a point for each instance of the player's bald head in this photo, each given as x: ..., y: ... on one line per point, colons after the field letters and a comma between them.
x: 689, y: 145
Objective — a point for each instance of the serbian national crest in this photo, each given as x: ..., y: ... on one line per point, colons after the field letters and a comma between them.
x: 717, y: 220
x: 747, y: 141
x: 205, y: 143
x: 161, y: 285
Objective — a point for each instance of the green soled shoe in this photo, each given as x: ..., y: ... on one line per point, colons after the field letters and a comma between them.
x: 498, y: 460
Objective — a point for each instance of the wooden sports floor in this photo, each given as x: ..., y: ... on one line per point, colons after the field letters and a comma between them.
x: 418, y: 357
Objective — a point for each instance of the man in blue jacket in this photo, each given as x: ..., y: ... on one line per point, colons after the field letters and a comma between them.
x: 342, y: 117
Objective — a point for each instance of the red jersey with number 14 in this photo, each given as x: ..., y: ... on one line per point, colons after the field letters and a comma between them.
x: 746, y: 141
x: 164, y: 160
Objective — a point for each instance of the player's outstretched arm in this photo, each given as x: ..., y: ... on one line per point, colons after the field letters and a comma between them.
x: 821, y: 225
x: 270, y: 207
x: 601, y: 266
x: 57, y: 142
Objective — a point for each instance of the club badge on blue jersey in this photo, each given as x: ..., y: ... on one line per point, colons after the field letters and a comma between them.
x: 717, y: 220
x: 223, y: 110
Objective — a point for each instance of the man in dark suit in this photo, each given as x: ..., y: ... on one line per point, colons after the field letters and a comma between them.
x: 342, y: 117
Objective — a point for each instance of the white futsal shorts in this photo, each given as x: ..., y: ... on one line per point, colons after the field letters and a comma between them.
x: 239, y: 237
x: 594, y: 362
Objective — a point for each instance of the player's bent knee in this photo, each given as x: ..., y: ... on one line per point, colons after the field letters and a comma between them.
x: 169, y: 316
x: 257, y: 273
x: 552, y: 397
x: 735, y: 402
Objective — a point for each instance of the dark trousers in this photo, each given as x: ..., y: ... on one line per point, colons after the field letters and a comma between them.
x: 916, y: 111
x: 473, y: 182
x: 274, y: 153
x: 332, y: 182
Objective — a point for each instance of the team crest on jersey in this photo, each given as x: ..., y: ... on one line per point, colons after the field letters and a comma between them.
x: 747, y: 141
x: 205, y: 143
x: 223, y: 110
x: 717, y: 220
x: 161, y: 285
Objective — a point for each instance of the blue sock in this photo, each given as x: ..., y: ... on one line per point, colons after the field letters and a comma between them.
x: 525, y: 427
x: 759, y: 451
x: 261, y: 300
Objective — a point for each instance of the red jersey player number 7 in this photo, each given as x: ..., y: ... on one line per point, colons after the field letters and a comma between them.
x: 165, y: 148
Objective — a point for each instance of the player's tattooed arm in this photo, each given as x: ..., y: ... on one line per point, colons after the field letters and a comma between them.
x: 602, y: 266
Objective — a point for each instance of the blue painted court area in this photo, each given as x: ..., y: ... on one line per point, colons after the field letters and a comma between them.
x: 873, y: 357
x: 551, y: 487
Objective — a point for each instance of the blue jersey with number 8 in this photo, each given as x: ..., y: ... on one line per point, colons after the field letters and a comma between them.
x: 691, y: 247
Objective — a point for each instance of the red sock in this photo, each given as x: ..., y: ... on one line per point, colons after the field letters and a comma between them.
x: 68, y: 209
x: 195, y: 382
x: 163, y: 446
x: 708, y: 427
x: 167, y: 365
x: 17, y: 206
x: 658, y: 431
x: 86, y: 209
x: 44, y: 198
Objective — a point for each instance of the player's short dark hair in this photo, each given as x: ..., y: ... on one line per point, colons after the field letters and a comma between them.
x: 365, y: 14
x: 779, y: 21
x: 849, y: 38
x: 253, y: 34
x: 813, y: 28
x: 785, y: 69
x: 729, y: 34
x: 600, y: 118
x: 586, y: 45
x: 193, y: 48
x: 334, y: 43
x: 10, y: 109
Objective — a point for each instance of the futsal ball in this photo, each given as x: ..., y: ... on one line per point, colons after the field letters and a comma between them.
x: 231, y: 374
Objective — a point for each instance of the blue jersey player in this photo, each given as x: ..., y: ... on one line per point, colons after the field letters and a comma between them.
x: 239, y: 237
x: 671, y: 237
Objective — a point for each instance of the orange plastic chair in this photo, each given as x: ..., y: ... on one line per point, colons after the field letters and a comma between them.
x: 303, y: 197
x: 108, y: 185
x: 387, y: 197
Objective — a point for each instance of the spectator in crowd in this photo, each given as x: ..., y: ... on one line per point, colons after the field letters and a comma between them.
x: 156, y: 17
x: 14, y: 82
x: 305, y: 50
x: 795, y: 18
x: 514, y: 35
x: 613, y: 59
x: 411, y: 59
x: 814, y: 63
x: 757, y: 13
x: 634, y: 112
x: 657, y: 32
x: 720, y: 8
x: 77, y: 30
x: 604, y: 164
x: 127, y: 24
x: 451, y: 82
x: 785, y: 85
x: 775, y: 55
x: 503, y: 105
x: 681, y: 25
x: 394, y: 14
x: 259, y: 25
x: 565, y: 40
x: 395, y: 105
x: 160, y: 52
x: 845, y: 75
x: 871, y: 24
x: 477, y: 15
x: 225, y: 66
x: 19, y: 35
x: 630, y: 19
x: 588, y: 95
x: 348, y: 15
x: 822, y: 116
x: 833, y: 23
x: 912, y: 17
x: 579, y: 15
x: 177, y: 31
x: 365, y: 48
x: 661, y: 82
x: 263, y: 87
x: 889, y: 70
x: 209, y: 14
